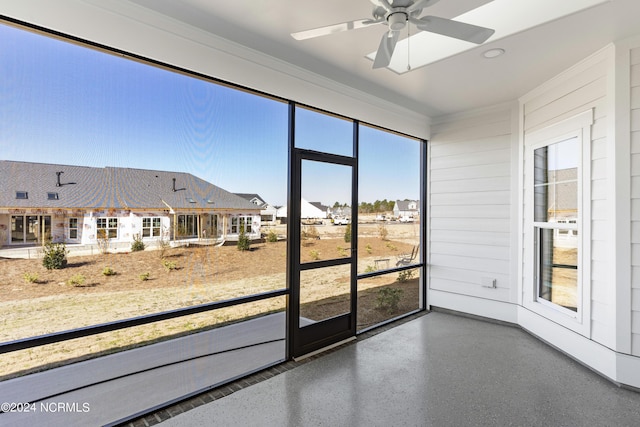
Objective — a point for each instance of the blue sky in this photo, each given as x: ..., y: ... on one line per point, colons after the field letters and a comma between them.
x: 67, y: 104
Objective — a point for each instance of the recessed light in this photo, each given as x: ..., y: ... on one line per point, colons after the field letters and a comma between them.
x: 493, y: 53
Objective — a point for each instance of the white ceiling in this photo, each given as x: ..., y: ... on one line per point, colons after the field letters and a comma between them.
x: 458, y: 83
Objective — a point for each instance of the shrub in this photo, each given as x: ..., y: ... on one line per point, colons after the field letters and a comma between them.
x: 30, y: 277
x: 272, y: 237
x: 369, y: 269
x: 391, y: 246
x: 382, y: 231
x: 169, y: 265
x: 163, y: 243
x: 144, y: 276
x: 369, y: 249
x: 103, y: 241
x: 388, y: 299
x: 137, y: 244
x: 309, y: 232
x: 55, y: 256
x: 243, y: 240
x: 314, y: 254
x: 342, y: 251
x: 108, y: 271
x: 405, y: 275
x: 76, y: 280
x: 347, y: 233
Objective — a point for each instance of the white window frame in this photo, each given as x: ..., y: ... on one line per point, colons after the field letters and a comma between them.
x: 152, y: 227
x: 578, y: 127
x: 109, y: 227
x: 238, y: 220
x: 76, y: 228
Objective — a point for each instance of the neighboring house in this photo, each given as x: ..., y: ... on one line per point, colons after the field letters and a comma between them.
x: 308, y: 210
x: 267, y: 212
x: 76, y: 204
x: 406, y: 208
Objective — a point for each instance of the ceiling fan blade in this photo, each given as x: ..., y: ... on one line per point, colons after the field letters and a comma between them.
x: 421, y: 4
x: 385, y: 50
x: 455, y: 29
x: 336, y: 28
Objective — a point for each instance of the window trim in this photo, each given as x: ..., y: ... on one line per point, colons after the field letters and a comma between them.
x: 152, y: 227
x: 108, y: 226
x: 578, y: 127
x: 76, y: 228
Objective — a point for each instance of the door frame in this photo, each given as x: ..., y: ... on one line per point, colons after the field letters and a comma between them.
x: 334, y: 330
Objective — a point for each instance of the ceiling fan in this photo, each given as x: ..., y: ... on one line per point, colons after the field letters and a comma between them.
x: 397, y: 14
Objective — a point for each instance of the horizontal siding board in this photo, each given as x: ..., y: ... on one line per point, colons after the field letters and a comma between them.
x: 490, y: 211
x: 635, y: 120
x: 471, y: 185
x: 635, y: 209
x: 599, y: 129
x: 468, y: 146
x: 599, y: 169
x: 476, y: 171
x: 491, y: 157
x: 586, y: 95
x: 635, y: 164
x: 635, y: 322
x: 635, y: 255
x: 635, y: 300
x: 600, y: 210
x: 600, y: 291
x: 470, y: 224
x: 466, y: 276
x: 635, y: 277
x: 635, y: 75
x: 600, y: 312
x: 471, y: 199
x: 599, y: 149
x: 635, y: 345
x: 602, y: 334
x: 599, y: 189
x: 599, y: 271
x: 470, y: 237
x: 460, y: 133
x: 635, y: 56
x: 635, y: 97
x: 635, y: 232
x: 566, y: 86
x: 635, y: 143
x: 473, y: 251
x: 468, y: 263
x: 499, y: 294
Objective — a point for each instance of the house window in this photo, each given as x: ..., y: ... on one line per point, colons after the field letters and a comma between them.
x: 22, y: 195
x: 556, y: 219
x: 107, y: 227
x: 52, y: 196
x: 187, y: 225
x: 151, y: 227
x: 241, y: 221
x: 73, y: 228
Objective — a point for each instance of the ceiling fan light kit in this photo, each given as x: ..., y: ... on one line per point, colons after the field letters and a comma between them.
x: 397, y: 14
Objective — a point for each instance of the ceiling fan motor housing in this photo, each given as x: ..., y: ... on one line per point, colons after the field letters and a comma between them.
x: 397, y: 20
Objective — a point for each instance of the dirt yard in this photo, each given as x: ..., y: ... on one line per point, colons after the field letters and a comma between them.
x: 200, y: 275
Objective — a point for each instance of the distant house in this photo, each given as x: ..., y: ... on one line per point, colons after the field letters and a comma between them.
x: 267, y: 212
x: 406, y: 208
x: 308, y: 210
x: 76, y: 204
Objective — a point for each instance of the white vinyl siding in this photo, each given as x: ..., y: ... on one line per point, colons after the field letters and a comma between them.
x: 579, y: 90
x: 635, y: 201
x: 470, y: 204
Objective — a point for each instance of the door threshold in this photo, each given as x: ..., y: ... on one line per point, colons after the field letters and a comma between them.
x: 323, y: 349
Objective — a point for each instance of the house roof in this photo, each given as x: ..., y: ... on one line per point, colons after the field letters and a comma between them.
x: 251, y: 197
x: 403, y: 205
x: 110, y: 187
x: 320, y: 206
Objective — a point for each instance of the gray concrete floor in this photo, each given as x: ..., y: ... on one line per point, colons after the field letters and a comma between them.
x: 436, y: 370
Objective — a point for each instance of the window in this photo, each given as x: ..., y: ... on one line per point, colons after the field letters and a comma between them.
x: 151, y: 227
x: 22, y: 195
x: 73, y: 228
x: 187, y: 225
x: 107, y: 227
x: 241, y: 221
x: 52, y: 196
x: 556, y: 215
